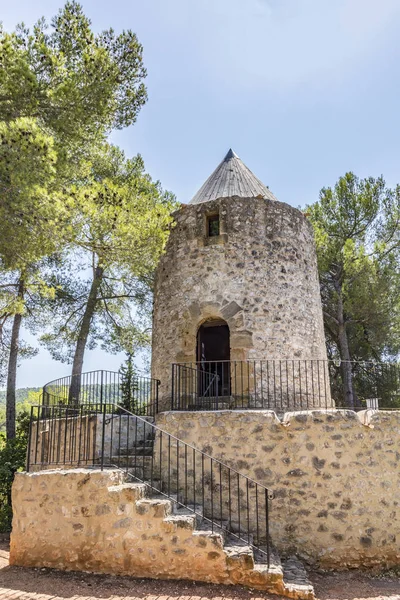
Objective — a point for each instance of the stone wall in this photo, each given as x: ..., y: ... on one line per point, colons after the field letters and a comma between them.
x: 335, y: 480
x: 259, y: 276
x: 87, y: 520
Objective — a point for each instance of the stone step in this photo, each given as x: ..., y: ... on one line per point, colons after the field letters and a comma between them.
x: 204, y: 524
x: 160, y: 488
x: 188, y: 509
x: 180, y: 508
x: 295, y: 579
x: 234, y: 540
x: 133, y: 460
x: 217, y: 539
x: 149, y: 439
x: 138, y: 472
x: 136, y: 475
x: 250, y: 563
x: 182, y: 521
x: 129, y: 442
x: 191, y: 510
x: 216, y: 527
x: 240, y: 553
x: 154, y: 507
x: 261, y: 556
x: 139, y: 450
x: 157, y: 486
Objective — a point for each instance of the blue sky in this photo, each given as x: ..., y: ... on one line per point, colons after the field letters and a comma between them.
x: 302, y: 90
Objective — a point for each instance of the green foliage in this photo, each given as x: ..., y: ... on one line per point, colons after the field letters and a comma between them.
x: 25, y: 398
x: 63, y: 89
x: 27, y: 395
x: 370, y: 380
x: 357, y: 234
x: 12, y: 459
x: 61, y: 93
x: 73, y: 80
x: 124, y: 220
x: 129, y: 385
x: 124, y: 215
x: 34, y: 215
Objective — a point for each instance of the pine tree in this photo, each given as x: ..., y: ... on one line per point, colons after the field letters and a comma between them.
x: 129, y: 385
x: 357, y: 233
x: 63, y: 89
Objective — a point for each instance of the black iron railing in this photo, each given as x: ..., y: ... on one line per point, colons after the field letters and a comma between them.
x: 285, y: 385
x: 137, y: 394
x: 108, y: 436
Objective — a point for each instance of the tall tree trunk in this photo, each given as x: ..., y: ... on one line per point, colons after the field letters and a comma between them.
x: 346, y: 368
x: 12, y: 369
x: 75, y: 387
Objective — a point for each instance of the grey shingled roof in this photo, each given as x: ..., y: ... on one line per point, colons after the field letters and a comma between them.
x: 232, y: 178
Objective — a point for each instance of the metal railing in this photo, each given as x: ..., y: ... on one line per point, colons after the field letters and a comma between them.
x: 285, y: 385
x: 108, y: 436
x: 137, y: 394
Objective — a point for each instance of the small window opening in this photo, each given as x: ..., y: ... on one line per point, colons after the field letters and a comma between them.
x: 213, y: 225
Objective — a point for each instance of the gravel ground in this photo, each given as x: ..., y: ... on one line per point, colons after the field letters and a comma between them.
x: 17, y: 583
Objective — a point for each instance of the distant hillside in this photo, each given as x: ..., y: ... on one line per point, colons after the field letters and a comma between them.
x: 23, y: 403
x: 22, y: 394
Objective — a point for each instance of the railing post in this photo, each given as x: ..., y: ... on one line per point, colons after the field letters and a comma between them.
x: 267, y: 526
x: 217, y: 382
x: 28, y: 457
x: 173, y: 386
x: 158, y: 383
x: 103, y: 436
x: 101, y: 388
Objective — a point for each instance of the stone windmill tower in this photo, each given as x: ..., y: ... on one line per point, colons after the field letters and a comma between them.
x: 238, y: 281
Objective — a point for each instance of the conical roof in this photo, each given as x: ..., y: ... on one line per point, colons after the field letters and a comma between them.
x: 232, y: 178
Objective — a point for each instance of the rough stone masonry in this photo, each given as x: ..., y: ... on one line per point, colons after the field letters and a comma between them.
x: 259, y: 275
x: 90, y: 520
x: 335, y: 476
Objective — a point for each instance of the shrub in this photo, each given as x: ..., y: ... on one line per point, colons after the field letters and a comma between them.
x: 12, y: 459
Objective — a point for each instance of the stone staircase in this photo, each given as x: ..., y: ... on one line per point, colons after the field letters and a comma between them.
x: 138, y: 460
x: 246, y: 565
x: 237, y: 563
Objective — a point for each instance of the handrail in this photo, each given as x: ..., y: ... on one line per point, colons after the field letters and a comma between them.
x: 105, y: 386
x: 109, y: 436
x: 53, y: 381
x: 337, y: 361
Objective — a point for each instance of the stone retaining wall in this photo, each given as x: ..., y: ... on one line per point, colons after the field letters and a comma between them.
x: 87, y: 520
x: 336, y: 481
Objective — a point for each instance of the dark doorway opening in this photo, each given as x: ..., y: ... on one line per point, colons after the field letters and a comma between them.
x: 213, y: 356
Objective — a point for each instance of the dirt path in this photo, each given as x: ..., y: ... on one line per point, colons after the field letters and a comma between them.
x: 17, y: 583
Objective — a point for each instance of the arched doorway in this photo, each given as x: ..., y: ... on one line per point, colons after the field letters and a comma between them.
x: 213, y: 355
